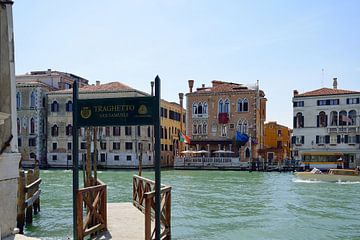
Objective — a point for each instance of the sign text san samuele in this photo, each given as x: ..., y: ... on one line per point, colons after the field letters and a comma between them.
x: 116, y: 111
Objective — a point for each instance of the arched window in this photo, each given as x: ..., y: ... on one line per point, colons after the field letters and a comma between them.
x: 204, y: 128
x: 245, y: 105
x: 69, y: 130
x: 194, y: 129
x: 18, y: 126
x: 240, y: 105
x: 239, y: 126
x: 227, y: 106
x: 205, y: 108
x: 334, y: 118
x: 200, y: 108
x: 342, y: 118
x: 32, y: 99
x: 54, y: 131
x: 199, y: 129
x: 195, y: 110
x: 18, y: 100
x: 245, y: 127
x: 322, y: 119
x: 247, y: 153
x: 165, y: 132
x: 221, y: 106
x: 32, y: 126
x: 55, y: 106
x: 69, y: 106
x: 352, y: 116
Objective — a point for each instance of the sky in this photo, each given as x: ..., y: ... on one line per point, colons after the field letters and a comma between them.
x: 286, y: 44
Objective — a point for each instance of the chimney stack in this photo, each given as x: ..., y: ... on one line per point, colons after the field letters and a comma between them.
x: 97, y: 83
x: 181, y: 97
x: 152, y: 88
x: 296, y: 93
x: 203, y: 85
x: 191, y: 85
x: 335, y: 83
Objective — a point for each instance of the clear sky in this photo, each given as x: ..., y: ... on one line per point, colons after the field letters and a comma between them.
x: 283, y: 44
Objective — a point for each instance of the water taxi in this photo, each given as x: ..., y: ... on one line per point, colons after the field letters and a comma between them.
x: 334, y: 175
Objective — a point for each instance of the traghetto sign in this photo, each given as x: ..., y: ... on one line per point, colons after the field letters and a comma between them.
x: 116, y: 111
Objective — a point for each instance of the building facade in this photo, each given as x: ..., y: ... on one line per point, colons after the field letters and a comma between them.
x: 31, y: 104
x: 216, y: 113
x: 276, y: 144
x: 326, y: 128
x: 117, y: 146
x: 31, y: 121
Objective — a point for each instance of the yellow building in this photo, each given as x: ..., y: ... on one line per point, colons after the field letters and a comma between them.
x: 171, y: 115
x: 276, y: 143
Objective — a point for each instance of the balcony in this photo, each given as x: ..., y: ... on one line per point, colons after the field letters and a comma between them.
x: 203, y: 115
x: 223, y: 118
x: 343, y: 129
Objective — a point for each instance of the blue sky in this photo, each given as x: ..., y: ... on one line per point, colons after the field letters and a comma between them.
x: 283, y: 44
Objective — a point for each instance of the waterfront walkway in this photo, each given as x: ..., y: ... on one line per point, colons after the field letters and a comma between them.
x: 124, y: 222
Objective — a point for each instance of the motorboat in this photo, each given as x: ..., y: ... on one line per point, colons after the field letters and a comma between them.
x: 333, y: 175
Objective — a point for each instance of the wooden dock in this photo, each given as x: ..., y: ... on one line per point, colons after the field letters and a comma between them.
x: 124, y: 222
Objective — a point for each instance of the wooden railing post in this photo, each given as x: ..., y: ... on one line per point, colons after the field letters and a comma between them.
x: 21, y: 202
x: 29, y: 180
x: 36, y: 177
x: 168, y: 215
x: 148, y: 218
x: 79, y: 220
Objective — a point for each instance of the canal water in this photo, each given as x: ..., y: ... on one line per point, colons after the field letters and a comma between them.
x: 221, y: 205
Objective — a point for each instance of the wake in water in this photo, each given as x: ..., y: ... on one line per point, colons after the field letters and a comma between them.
x: 339, y: 182
x: 306, y: 181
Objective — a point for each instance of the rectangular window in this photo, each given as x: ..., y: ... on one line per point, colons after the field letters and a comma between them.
x: 127, y: 131
x: 321, y: 140
x: 128, y: 158
x: 139, y: 131
x: 19, y: 142
x: 54, y: 146
x: 32, y: 142
x: 83, y: 145
x: 102, y: 157
x: 116, y: 157
x: 166, y: 147
x: 328, y: 102
x: 298, y: 104
x: 333, y: 139
x: 54, y: 157
x: 352, y: 100
x: 116, y: 145
x: 103, y: 145
x: 116, y: 131
x: 299, y: 140
x: 128, y: 146
x: 69, y: 146
x: 352, y: 139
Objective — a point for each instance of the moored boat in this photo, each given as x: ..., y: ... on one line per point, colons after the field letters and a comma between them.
x: 334, y: 175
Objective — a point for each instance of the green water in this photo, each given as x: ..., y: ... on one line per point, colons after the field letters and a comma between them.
x: 221, y: 205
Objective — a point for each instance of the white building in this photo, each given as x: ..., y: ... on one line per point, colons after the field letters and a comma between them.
x: 326, y: 128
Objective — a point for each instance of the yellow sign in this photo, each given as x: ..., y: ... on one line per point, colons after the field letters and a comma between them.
x: 85, y: 112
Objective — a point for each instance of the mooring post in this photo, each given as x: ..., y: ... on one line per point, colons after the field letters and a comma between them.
x: 30, y: 193
x: 157, y: 159
x: 21, y: 202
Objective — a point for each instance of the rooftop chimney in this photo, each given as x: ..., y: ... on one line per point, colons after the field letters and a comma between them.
x: 296, y: 92
x: 152, y: 88
x: 191, y: 85
x: 97, y: 83
x: 335, y: 83
x: 203, y: 85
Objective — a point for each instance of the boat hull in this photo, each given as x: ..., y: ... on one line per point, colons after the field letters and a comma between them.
x: 326, y: 177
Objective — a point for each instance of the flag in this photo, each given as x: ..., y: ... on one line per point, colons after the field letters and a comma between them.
x: 184, y: 138
x: 346, y: 119
x: 243, y: 138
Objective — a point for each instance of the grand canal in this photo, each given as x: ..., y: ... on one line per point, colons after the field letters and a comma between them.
x: 221, y: 205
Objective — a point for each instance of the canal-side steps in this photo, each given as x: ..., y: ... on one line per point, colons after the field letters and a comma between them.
x: 125, y: 220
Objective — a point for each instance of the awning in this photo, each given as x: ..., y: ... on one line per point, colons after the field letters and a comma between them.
x: 322, y: 154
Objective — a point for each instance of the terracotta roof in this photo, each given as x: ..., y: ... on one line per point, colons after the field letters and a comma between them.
x: 325, y: 91
x: 107, y: 87
x: 219, y: 86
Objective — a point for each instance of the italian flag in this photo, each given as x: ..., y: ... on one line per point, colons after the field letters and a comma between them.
x: 184, y: 138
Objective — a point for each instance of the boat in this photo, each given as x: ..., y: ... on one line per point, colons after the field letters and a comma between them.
x: 333, y: 175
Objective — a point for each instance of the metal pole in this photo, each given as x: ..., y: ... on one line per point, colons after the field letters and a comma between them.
x: 75, y: 156
x: 157, y: 158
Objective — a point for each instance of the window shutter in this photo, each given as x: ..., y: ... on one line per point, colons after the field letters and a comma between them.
x: 295, y: 122
x: 327, y: 139
x: 302, y: 121
x: 293, y: 139
x: 357, y: 138
x: 326, y: 120
x: 347, y: 101
x: 317, y: 121
x: 338, y: 139
x: 302, y: 139
x: 346, y: 138
x: 317, y: 139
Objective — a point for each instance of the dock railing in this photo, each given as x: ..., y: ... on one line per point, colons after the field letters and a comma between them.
x: 94, y: 199
x: 28, y: 198
x: 144, y: 200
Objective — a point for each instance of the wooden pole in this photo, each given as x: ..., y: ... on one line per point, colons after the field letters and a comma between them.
x: 95, y: 156
x: 21, y: 202
x: 29, y: 180
x: 140, y: 159
x: 88, y: 157
x: 36, y: 177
